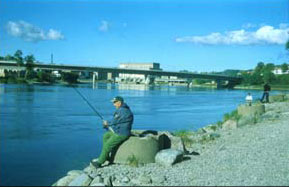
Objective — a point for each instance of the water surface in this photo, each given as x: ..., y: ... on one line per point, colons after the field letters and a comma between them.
x: 48, y: 130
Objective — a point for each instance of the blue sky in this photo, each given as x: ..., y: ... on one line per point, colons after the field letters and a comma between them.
x: 196, y: 35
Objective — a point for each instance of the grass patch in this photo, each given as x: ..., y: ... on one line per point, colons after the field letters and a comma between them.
x: 232, y: 115
x: 133, y: 161
x: 185, y: 136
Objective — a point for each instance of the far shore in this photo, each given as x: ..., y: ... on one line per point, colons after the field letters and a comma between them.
x: 213, y: 86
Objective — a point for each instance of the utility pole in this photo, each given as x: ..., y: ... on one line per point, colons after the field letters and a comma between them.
x: 51, y: 59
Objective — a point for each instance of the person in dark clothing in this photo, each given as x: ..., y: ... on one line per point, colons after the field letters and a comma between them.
x: 119, y: 130
x: 267, y: 89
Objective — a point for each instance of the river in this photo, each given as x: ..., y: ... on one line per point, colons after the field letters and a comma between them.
x: 48, y: 130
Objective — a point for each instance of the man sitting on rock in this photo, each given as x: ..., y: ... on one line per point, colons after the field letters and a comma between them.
x: 119, y: 130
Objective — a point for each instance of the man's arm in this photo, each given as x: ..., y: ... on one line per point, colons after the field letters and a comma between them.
x: 105, y: 125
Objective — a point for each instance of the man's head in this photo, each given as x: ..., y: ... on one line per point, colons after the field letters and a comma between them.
x: 117, y: 101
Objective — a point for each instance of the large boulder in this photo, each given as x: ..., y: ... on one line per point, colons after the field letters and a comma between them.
x: 286, y: 97
x: 277, y: 98
x: 165, y: 138
x: 64, y: 181
x: 81, y: 180
x: 247, y: 119
x: 140, y: 149
x: 168, y: 157
x: 255, y: 109
x: 169, y: 141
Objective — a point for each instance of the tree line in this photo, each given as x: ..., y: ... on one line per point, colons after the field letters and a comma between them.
x: 29, y: 74
x: 263, y: 73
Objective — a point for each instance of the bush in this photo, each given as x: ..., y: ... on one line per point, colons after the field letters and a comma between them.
x: 31, y: 74
x: 70, y: 77
x: 45, y: 77
x: 185, y: 136
x: 233, y: 116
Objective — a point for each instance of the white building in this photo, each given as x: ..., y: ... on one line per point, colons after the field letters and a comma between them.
x: 136, y: 78
x: 140, y: 66
x: 278, y: 71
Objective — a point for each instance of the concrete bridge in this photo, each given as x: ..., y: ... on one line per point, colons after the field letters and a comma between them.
x: 102, y: 73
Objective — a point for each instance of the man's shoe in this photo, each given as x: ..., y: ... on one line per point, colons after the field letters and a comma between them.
x: 96, y: 164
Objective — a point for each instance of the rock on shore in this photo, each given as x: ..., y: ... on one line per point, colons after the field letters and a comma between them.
x: 252, y: 154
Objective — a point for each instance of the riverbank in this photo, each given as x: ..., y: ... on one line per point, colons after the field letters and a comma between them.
x: 260, y: 87
x: 255, y: 153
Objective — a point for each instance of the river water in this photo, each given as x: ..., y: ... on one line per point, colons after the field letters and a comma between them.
x: 46, y: 131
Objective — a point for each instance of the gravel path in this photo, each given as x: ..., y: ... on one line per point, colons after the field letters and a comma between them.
x: 252, y: 155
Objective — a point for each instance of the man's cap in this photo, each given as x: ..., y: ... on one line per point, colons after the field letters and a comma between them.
x: 117, y: 98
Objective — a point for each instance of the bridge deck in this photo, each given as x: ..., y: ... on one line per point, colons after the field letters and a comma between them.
x: 129, y: 71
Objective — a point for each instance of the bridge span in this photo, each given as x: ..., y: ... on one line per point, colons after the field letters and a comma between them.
x: 112, y: 73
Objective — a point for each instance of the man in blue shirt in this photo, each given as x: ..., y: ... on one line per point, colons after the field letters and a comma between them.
x: 119, y: 130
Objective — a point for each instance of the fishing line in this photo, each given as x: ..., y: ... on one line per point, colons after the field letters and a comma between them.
x: 109, y: 128
x: 88, y: 103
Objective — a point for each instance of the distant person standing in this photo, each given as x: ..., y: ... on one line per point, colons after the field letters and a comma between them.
x: 249, y: 99
x: 267, y: 89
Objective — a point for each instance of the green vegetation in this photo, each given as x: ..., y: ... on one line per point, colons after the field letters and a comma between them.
x: 70, y: 77
x: 263, y: 73
x: 185, y: 136
x: 232, y: 115
x: 45, y: 77
x: 26, y: 71
x: 133, y: 161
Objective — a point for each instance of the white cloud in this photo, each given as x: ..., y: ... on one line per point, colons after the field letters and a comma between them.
x: 264, y: 35
x: 54, y: 35
x: 104, y: 26
x: 248, y: 25
x: 31, y: 33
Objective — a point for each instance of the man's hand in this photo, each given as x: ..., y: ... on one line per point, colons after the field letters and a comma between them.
x: 105, y: 124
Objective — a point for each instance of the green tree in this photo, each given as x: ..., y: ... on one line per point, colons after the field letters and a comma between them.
x: 269, y: 77
x: 29, y: 59
x: 284, y: 79
x: 9, y: 58
x: 269, y: 67
x: 256, y: 78
x: 284, y: 67
x: 70, y: 77
x: 287, y: 45
x: 246, y: 78
x: 19, y: 59
x: 260, y: 67
x: 45, y: 77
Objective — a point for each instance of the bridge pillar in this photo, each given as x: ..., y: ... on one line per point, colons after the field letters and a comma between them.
x: 219, y: 84
x: 94, y: 76
x: 189, y: 82
x: 149, y: 79
x: 109, y: 75
x: 226, y: 84
x: 231, y: 84
x: 112, y: 75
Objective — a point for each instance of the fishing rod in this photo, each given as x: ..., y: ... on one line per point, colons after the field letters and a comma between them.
x: 109, y: 128
x: 88, y: 103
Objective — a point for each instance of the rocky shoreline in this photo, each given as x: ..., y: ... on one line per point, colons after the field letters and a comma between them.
x: 247, y: 148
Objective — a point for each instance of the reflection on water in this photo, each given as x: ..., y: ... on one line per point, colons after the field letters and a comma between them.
x: 53, y: 127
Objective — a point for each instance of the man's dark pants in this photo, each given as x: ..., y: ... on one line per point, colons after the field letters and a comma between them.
x: 265, y: 95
